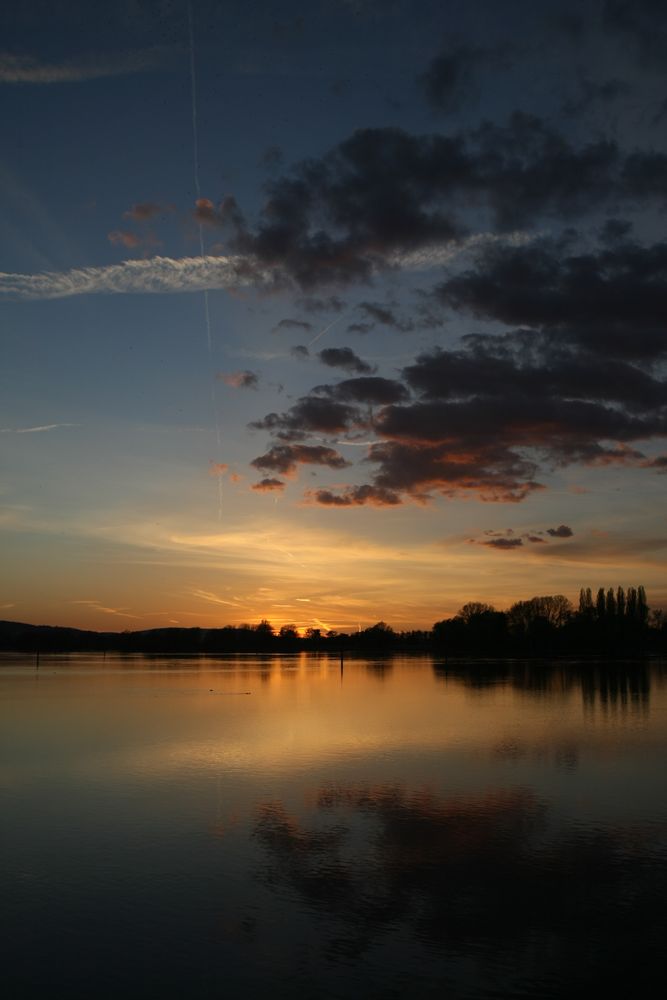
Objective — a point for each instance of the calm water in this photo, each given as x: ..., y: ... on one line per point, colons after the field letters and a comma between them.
x: 268, y: 826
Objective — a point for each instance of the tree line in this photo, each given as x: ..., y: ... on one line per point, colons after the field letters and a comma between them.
x: 614, y: 621
x: 611, y: 622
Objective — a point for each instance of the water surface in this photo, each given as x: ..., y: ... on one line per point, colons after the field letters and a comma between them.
x: 276, y: 825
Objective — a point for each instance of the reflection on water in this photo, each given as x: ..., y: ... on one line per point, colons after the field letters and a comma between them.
x: 398, y: 827
x: 476, y: 875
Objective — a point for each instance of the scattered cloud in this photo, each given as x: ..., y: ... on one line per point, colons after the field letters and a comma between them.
x: 509, y: 539
x: 157, y: 275
x: 562, y: 531
x: 449, y: 81
x: 217, y: 469
x: 384, y: 191
x: 24, y: 69
x: 239, y: 380
x: 590, y: 93
x: 503, y: 543
x: 39, y: 429
x: 346, y: 359
x: 164, y: 275
x: 225, y: 214
x: 312, y: 304
x: 285, y: 458
x: 377, y: 313
x: 98, y: 606
x: 292, y: 324
x: 125, y: 239
x: 268, y: 485
x: 355, y: 496
x: 369, y: 390
x: 612, y: 300
x: 485, y: 418
x: 143, y: 211
x: 272, y: 158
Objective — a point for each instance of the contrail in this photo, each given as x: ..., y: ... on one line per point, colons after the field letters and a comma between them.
x: 195, y: 164
x: 325, y: 330
x: 195, y: 158
x: 168, y: 275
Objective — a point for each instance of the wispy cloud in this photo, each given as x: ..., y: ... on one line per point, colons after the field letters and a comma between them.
x: 34, y: 430
x: 157, y: 274
x: 29, y: 69
x: 211, y: 598
x: 196, y: 274
x: 97, y: 606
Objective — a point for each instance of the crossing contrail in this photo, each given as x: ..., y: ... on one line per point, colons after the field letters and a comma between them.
x: 325, y: 330
x: 195, y: 158
x: 195, y: 165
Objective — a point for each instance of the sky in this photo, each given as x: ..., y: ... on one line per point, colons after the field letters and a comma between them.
x: 332, y: 312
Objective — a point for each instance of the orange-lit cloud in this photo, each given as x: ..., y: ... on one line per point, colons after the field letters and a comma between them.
x: 123, y: 238
x: 218, y: 468
x: 355, y: 496
x: 143, y: 211
x: 268, y: 485
x: 239, y: 380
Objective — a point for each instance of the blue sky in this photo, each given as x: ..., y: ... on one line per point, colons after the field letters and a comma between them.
x: 435, y: 283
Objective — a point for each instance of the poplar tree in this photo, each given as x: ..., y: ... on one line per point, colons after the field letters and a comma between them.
x: 600, y: 603
x: 620, y: 602
x: 610, y: 604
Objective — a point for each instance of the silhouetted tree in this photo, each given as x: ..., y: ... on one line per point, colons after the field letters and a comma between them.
x: 610, y: 604
x: 600, y: 604
x: 620, y: 602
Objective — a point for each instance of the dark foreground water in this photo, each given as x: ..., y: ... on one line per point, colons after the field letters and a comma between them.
x: 272, y: 827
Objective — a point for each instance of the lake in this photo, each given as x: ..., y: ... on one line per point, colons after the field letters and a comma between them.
x: 282, y: 826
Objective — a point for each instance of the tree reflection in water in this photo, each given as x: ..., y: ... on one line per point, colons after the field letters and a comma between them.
x: 484, y: 877
x: 613, y: 685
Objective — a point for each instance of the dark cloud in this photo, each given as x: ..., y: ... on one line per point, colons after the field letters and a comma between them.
x: 120, y: 237
x: 285, y: 458
x: 562, y: 531
x: 345, y: 358
x: 316, y: 305
x: 479, y: 874
x: 292, y: 324
x: 381, y: 191
x: 613, y: 301
x: 371, y: 390
x: 487, y: 417
x: 508, y: 540
x: 452, y: 465
x: 448, y: 83
x: 239, y: 380
x: 641, y: 22
x: 360, y: 327
x: 660, y: 114
x: 590, y: 94
x: 143, y: 211
x: 356, y: 496
x: 226, y: 215
x: 384, y: 316
x: 272, y: 158
x: 310, y: 415
x: 268, y: 485
x: 300, y: 352
x: 615, y: 231
x: 503, y: 543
